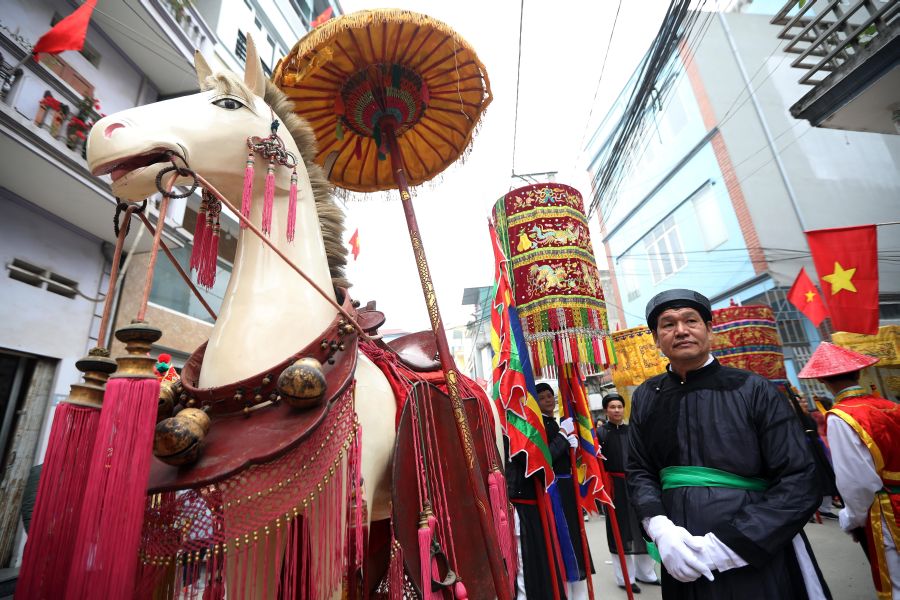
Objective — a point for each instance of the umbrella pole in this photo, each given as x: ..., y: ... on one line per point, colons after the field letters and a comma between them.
x: 498, y: 574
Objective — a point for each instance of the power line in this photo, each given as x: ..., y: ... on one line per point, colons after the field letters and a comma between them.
x: 518, y: 75
x: 612, y: 33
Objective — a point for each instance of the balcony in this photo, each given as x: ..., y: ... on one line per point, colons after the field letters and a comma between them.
x: 46, y: 109
x: 849, y: 51
x: 159, y: 37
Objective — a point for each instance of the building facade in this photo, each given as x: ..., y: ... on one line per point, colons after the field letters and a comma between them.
x: 726, y: 180
x: 56, y: 230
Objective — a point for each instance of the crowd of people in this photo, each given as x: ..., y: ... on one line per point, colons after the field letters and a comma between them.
x: 715, y: 475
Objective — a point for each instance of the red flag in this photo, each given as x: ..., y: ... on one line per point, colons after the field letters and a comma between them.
x: 68, y: 34
x: 325, y: 16
x: 846, y: 260
x: 354, y: 244
x: 805, y: 296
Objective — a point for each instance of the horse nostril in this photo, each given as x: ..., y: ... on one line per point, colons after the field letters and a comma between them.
x: 107, y: 133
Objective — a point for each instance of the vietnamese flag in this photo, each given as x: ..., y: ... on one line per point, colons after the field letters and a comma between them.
x: 354, y: 244
x: 846, y: 260
x: 805, y: 296
x: 68, y: 34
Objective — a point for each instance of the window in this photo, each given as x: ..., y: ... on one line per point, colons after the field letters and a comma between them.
x: 663, y: 247
x: 170, y: 291
x: 240, y: 46
x: 632, y: 286
x: 31, y: 274
x: 709, y: 216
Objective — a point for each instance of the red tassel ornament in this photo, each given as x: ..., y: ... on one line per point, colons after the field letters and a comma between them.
x: 459, y: 591
x: 201, y: 236
x: 425, y: 533
x: 247, y: 195
x: 292, y: 207
x: 104, y: 561
x: 268, y: 198
x: 209, y: 254
x: 48, y: 553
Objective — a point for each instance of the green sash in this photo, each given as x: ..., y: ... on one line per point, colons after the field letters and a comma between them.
x: 676, y: 477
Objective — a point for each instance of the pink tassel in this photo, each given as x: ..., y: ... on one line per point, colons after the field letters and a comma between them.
x: 395, y: 571
x: 501, y: 521
x: 268, y: 198
x: 206, y: 275
x: 425, y: 560
x: 201, y: 235
x: 109, y: 533
x: 292, y: 207
x: 48, y: 552
x: 247, y: 195
x: 459, y: 591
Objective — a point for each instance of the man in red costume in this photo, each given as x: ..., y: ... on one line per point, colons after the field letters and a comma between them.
x: 864, y: 437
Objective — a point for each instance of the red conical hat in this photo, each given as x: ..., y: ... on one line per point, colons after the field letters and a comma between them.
x: 829, y: 359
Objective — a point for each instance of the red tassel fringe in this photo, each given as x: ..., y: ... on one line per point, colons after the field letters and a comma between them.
x: 499, y: 503
x: 202, y: 234
x: 268, y: 199
x: 247, y: 195
x: 104, y: 561
x: 395, y: 571
x: 48, y: 553
x: 425, y: 560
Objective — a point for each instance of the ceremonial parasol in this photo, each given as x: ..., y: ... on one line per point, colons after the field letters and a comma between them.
x: 394, y: 98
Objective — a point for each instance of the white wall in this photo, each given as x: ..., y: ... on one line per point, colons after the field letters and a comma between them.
x: 839, y: 178
x: 35, y: 320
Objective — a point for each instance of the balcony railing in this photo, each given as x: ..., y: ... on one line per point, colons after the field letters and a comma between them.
x: 52, y: 96
x: 826, y: 34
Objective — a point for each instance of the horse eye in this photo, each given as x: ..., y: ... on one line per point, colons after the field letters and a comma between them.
x: 228, y: 104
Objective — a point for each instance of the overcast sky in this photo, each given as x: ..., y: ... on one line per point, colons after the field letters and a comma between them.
x: 563, y: 45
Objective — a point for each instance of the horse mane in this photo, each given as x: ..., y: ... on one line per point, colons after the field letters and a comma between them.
x: 331, y: 216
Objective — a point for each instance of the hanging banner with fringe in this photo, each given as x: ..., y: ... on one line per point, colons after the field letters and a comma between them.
x: 544, y: 231
x: 746, y: 337
x: 638, y: 358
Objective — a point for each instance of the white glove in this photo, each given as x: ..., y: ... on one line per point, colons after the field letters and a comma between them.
x: 568, y: 426
x: 573, y: 440
x: 681, y: 553
x: 718, y: 556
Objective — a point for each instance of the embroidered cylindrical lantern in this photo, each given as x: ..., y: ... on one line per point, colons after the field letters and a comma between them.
x: 746, y: 337
x: 554, y: 276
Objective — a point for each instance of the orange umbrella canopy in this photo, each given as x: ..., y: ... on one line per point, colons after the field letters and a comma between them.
x: 362, y: 72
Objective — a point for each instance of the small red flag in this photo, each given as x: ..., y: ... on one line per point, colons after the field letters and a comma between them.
x: 325, y: 16
x: 805, y: 296
x: 354, y: 244
x: 68, y: 34
x: 846, y: 260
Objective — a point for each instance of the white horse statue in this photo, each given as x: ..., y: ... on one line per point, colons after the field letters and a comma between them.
x: 268, y: 312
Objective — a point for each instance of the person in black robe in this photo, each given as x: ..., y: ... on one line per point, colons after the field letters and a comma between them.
x: 534, y: 579
x: 561, y: 437
x: 718, y: 470
x: 614, y: 447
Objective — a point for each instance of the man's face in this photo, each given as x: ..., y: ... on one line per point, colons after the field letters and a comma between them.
x: 615, y: 412
x: 682, y: 335
x: 546, y: 401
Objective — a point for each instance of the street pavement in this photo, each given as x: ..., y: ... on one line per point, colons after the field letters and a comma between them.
x: 841, y: 560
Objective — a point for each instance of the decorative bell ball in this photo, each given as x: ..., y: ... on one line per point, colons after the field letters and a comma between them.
x: 303, y: 384
x: 167, y: 398
x: 179, y: 440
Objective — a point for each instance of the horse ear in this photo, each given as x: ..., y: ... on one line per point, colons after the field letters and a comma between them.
x: 253, y: 73
x: 202, y: 68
